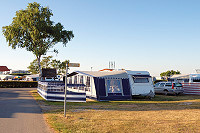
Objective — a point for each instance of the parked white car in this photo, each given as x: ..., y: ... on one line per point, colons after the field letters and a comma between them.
x: 168, y: 88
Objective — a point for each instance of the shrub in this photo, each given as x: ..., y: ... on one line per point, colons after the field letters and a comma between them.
x: 18, y: 84
x: 20, y: 74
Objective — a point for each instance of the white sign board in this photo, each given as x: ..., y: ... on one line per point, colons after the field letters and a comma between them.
x: 74, y: 65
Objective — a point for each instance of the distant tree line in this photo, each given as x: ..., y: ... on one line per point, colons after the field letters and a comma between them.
x: 48, y: 62
x: 169, y: 73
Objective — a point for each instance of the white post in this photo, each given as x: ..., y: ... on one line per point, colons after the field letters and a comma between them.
x: 67, y: 65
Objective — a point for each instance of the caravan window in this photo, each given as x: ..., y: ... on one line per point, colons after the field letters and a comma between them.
x: 141, y: 80
x: 196, y: 79
x: 70, y: 80
x: 88, y: 82
x: 81, y: 79
x: 113, y: 86
x: 87, y: 88
x: 75, y: 79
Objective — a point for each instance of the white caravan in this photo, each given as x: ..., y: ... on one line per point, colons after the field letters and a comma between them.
x: 194, y: 78
x: 141, y: 83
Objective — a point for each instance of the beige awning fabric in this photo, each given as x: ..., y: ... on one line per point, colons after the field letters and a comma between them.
x: 100, y: 74
x: 180, y: 76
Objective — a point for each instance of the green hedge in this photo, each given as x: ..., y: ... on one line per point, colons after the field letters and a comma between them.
x: 18, y: 84
x: 19, y: 74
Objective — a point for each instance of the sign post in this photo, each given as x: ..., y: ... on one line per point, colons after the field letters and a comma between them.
x: 67, y: 67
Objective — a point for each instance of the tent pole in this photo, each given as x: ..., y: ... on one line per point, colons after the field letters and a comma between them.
x: 67, y: 65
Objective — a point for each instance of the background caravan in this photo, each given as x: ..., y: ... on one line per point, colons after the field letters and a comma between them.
x: 112, y: 85
x: 190, y: 82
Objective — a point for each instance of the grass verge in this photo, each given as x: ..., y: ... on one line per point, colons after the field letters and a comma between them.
x: 162, y: 114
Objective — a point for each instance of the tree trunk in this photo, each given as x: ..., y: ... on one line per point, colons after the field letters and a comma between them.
x: 40, y: 69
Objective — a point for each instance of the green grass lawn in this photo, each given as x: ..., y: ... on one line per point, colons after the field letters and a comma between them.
x: 161, y: 114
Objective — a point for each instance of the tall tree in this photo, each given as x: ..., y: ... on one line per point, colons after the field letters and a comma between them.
x: 33, y: 30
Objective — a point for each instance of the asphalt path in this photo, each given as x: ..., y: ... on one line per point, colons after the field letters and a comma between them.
x: 19, y: 112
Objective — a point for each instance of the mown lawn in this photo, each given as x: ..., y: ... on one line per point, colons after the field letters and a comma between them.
x: 161, y: 114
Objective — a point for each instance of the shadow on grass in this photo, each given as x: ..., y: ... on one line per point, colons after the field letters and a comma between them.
x: 168, y: 98
x: 160, y: 102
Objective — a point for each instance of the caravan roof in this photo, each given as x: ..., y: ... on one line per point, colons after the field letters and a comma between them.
x: 137, y: 72
x: 180, y: 76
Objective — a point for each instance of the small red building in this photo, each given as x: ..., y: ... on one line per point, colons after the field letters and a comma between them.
x: 4, y: 69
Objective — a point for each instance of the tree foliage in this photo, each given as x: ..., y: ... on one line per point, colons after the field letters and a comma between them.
x: 169, y: 73
x: 34, y: 68
x: 48, y: 62
x: 55, y: 64
x: 33, y: 30
x: 62, y: 66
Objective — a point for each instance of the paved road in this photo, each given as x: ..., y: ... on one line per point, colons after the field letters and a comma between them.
x: 19, y: 112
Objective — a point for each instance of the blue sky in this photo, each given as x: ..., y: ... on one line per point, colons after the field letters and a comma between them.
x: 151, y: 35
